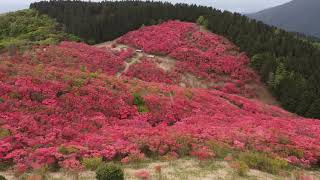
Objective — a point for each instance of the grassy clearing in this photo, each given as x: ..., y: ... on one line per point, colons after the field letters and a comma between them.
x: 185, y: 168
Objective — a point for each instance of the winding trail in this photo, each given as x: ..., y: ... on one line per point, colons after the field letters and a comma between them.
x: 187, y: 80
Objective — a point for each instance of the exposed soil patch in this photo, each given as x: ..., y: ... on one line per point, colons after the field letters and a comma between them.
x: 263, y: 94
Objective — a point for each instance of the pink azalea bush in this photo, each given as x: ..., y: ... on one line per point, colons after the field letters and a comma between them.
x: 147, y: 70
x: 75, y: 55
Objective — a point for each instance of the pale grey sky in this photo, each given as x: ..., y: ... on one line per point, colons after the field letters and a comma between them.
x: 243, y: 6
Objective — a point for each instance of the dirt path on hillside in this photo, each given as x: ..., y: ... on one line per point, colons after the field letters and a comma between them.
x: 130, y: 61
x: 127, y: 66
x: 187, y: 80
x: 164, y: 62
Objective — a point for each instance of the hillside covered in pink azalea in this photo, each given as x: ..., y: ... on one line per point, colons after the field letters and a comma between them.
x: 63, y: 102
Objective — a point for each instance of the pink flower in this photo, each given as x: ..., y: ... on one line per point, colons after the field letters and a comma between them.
x: 157, y: 169
x: 203, y: 153
x: 293, y: 160
x: 238, y: 144
x: 21, y: 167
x: 71, y: 165
x: 145, y: 175
x: 228, y: 158
x: 305, y: 177
x: 125, y: 160
x: 49, y: 102
x: 109, y: 152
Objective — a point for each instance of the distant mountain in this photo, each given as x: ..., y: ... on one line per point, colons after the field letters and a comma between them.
x: 297, y: 15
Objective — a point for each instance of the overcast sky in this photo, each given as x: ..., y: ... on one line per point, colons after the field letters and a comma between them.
x: 243, y: 6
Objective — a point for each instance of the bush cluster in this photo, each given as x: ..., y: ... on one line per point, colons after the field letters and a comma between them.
x: 109, y: 171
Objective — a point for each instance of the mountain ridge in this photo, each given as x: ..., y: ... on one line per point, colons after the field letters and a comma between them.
x: 297, y: 16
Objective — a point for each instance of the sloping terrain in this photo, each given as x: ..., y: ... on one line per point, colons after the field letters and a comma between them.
x: 296, y: 15
x: 196, y: 59
x: 63, y: 102
x: 202, y: 55
x: 286, y: 62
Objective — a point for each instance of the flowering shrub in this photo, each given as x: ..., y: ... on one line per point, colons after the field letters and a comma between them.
x: 52, y: 111
x: 70, y: 54
x: 239, y: 145
x: 200, y: 53
x: 92, y: 163
x: 147, y: 70
x: 203, y: 153
x: 150, y: 40
x: 72, y: 165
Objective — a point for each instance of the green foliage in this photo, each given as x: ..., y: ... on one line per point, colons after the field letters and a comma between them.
x: 79, y: 82
x: 280, y: 74
x: 138, y: 100
x: 143, y: 109
x: 83, y: 68
x: 185, y: 146
x: 4, y: 133
x: 202, y: 21
x: 2, y: 178
x: 1, y: 100
x: 241, y: 168
x: 92, y: 163
x: 317, y: 45
x: 221, y: 150
x: 257, y: 61
x: 91, y: 41
x: 5, y: 165
x: 295, y: 152
x: 289, y: 91
x: 67, y: 150
x: 109, y: 171
x: 15, y: 95
x: 265, y: 64
x: 314, y: 109
x: 286, y: 85
x: 263, y: 162
x: 36, y: 96
x: 27, y: 27
x: 94, y: 75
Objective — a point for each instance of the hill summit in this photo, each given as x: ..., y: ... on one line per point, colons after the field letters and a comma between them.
x: 168, y: 90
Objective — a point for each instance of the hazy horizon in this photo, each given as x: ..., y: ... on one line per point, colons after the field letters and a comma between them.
x: 242, y: 6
